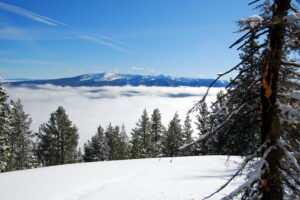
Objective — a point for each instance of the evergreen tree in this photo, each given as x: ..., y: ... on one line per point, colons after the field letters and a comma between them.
x: 203, y: 126
x: 116, y: 146
x: 235, y: 138
x: 157, y: 130
x: 4, y: 129
x: 124, y: 146
x: 136, y: 144
x: 217, y: 144
x: 274, y: 167
x: 173, y: 138
x: 22, y: 150
x: 97, y: 148
x: 112, y: 140
x: 57, y: 139
x: 187, y: 133
x: 142, y: 137
x: 78, y: 157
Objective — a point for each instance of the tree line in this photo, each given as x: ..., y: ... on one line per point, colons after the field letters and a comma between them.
x: 56, y: 141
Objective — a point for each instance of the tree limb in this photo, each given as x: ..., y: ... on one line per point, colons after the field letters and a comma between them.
x: 284, y: 62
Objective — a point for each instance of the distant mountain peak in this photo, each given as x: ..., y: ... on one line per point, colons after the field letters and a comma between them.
x: 110, y: 76
x: 116, y: 79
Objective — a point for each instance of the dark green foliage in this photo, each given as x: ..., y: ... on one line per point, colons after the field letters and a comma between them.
x: 123, y: 144
x: 97, y: 148
x: 118, y: 143
x: 136, y: 144
x: 204, y: 125
x: 259, y: 116
x: 187, y: 138
x: 78, y: 156
x: 4, y: 130
x: 234, y: 136
x: 173, y: 138
x: 142, y: 144
x: 20, y: 141
x: 240, y: 139
x: 57, y: 140
x: 112, y: 135
x: 157, y: 130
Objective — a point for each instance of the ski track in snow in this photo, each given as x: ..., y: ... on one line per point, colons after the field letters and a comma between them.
x: 142, y: 179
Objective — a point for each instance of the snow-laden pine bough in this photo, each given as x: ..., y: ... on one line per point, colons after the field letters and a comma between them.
x: 273, y: 168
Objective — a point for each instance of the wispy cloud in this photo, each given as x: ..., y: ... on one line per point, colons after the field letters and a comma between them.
x: 13, y: 33
x: 119, y: 42
x: 142, y: 69
x: 31, y: 62
x: 32, y: 34
x: 30, y: 15
x: 103, y: 42
x: 10, y: 32
x: 137, y: 68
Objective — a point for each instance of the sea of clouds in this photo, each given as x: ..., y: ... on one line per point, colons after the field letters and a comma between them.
x: 89, y: 107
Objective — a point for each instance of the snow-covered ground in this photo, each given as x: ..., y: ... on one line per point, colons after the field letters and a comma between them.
x: 144, y: 179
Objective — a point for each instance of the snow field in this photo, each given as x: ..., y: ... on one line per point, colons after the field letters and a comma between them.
x: 141, y: 179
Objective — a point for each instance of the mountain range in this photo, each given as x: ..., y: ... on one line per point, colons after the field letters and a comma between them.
x: 116, y: 79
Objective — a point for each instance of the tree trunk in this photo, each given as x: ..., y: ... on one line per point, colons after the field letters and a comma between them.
x: 271, y: 181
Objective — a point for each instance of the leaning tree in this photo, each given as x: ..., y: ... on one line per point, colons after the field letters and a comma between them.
x: 273, y: 95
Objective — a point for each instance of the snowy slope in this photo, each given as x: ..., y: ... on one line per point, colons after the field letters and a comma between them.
x: 148, y: 179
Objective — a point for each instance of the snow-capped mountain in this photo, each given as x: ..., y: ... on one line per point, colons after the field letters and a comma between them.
x: 116, y: 79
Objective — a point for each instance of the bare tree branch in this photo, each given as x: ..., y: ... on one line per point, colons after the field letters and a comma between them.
x: 253, y: 2
x: 251, y: 39
x: 241, y: 39
x: 223, y: 74
x: 284, y: 62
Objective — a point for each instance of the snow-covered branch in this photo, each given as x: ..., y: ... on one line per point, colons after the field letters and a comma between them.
x: 241, y: 168
x: 254, y: 176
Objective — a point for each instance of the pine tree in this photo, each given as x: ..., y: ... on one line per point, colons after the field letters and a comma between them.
x: 22, y: 150
x: 204, y: 126
x: 57, y: 139
x: 124, y: 147
x: 217, y: 144
x: 235, y: 137
x: 187, y: 133
x: 274, y: 175
x: 142, y: 137
x: 97, y: 148
x: 240, y: 140
x: 157, y: 130
x: 4, y: 129
x: 112, y: 140
x: 78, y: 157
x: 173, y: 138
x: 136, y: 144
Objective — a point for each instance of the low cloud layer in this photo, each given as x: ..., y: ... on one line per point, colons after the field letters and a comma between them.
x: 88, y: 107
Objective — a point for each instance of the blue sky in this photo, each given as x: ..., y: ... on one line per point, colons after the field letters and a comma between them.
x: 61, y: 38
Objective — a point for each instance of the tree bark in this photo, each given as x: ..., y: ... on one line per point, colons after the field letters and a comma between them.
x: 271, y: 181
